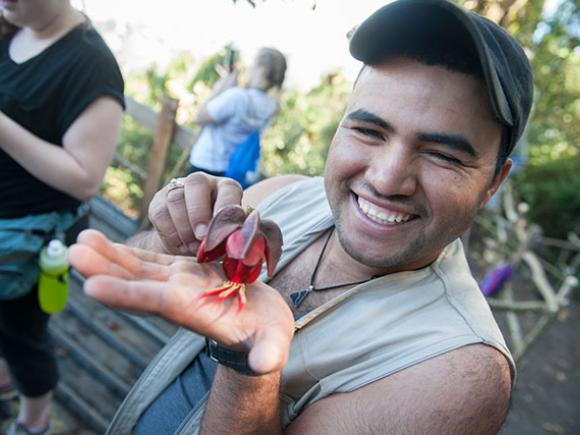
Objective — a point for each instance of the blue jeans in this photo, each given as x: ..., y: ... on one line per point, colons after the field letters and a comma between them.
x: 171, y: 409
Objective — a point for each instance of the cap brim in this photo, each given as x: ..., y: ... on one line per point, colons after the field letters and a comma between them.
x: 395, y: 23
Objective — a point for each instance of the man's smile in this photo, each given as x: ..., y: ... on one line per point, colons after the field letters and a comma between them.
x: 383, y: 215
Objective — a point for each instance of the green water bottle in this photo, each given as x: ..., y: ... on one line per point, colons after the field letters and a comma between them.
x: 53, y: 282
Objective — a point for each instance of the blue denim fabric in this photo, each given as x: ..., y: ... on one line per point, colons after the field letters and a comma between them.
x: 168, y: 412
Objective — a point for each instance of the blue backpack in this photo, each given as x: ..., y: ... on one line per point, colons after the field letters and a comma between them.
x: 244, y: 165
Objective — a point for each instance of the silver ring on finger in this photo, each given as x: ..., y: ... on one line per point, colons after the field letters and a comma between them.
x: 175, y: 183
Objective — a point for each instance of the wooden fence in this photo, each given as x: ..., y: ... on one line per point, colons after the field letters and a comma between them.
x: 166, y: 132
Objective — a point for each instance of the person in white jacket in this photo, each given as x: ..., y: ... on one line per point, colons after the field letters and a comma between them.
x: 233, y: 112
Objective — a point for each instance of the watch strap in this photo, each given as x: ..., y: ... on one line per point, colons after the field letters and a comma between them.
x: 229, y: 358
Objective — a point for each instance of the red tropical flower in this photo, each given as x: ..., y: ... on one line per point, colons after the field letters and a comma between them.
x: 245, y: 241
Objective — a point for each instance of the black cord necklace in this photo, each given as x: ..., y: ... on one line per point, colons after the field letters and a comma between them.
x: 298, y: 297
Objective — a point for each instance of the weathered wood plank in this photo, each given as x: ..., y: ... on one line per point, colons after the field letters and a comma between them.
x: 184, y: 137
x: 130, y: 165
x: 108, y: 218
x: 141, y: 113
x: 147, y: 118
x: 158, y: 157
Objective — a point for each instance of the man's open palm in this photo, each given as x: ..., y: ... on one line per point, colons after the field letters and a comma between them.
x: 171, y: 286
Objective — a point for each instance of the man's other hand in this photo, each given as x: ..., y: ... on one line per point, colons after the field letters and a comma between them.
x: 181, y: 211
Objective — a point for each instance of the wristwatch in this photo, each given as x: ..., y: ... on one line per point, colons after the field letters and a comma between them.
x: 229, y: 358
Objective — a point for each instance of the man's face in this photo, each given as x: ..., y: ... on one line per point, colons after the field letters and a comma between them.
x: 411, y: 163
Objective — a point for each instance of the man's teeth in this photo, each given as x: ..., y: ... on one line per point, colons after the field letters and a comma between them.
x: 380, y: 216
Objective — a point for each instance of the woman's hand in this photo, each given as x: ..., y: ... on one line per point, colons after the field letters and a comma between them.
x: 171, y: 286
x: 181, y: 211
x: 228, y: 79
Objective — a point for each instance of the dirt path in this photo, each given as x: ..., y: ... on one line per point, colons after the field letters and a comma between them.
x: 547, y: 395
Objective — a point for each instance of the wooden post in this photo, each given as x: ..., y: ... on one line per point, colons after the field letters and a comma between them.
x: 158, y: 157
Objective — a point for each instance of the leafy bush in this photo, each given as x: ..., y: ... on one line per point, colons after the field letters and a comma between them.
x: 121, y: 185
x: 552, y: 191
x: 120, y: 188
x: 135, y: 142
x: 298, y: 140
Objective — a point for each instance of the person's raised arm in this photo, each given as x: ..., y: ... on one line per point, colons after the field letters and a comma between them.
x: 77, y: 168
x: 226, y: 82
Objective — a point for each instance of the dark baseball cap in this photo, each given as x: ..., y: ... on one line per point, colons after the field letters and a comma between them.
x: 441, y: 25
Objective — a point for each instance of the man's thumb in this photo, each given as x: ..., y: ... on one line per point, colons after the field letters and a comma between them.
x: 270, y: 350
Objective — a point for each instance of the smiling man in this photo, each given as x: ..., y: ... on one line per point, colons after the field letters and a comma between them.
x: 411, y: 163
x: 372, y: 323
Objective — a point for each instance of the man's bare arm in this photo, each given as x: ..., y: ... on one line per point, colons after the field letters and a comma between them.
x: 243, y: 404
x: 463, y: 391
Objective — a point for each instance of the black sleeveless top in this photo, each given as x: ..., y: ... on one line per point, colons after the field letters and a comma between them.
x: 45, y: 94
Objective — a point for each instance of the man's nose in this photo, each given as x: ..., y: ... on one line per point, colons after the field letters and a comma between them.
x: 393, y: 170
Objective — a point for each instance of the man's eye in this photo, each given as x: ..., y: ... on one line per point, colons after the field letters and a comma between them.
x: 445, y: 157
x: 368, y: 132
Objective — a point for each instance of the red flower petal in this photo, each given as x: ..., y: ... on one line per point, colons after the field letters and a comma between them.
x: 237, y: 271
x: 214, y: 254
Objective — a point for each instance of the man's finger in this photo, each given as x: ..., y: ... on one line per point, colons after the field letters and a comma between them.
x: 177, y: 208
x: 143, y: 296
x: 161, y: 220
x: 156, y: 257
x: 115, y: 257
x: 199, y: 194
x: 229, y: 192
x: 89, y: 263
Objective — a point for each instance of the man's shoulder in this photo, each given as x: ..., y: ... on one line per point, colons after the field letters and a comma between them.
x: 256, y: 194
x: 466, y: 390
x: 473, y: 381
x: 478, y: 363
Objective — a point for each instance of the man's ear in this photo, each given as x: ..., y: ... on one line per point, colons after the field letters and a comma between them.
x: 500, y: 177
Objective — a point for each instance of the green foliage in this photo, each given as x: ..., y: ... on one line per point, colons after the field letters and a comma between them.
x: 135, y: 143
x: 300, y: 135
x: 555, y: 127
x: 207, y: 73
x: 121, y: 185
x: 121, y: 188
x: 551, y: 182
x: 157, y: 85
x: 551, y: 189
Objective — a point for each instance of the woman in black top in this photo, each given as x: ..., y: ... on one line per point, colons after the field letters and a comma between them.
x: 61, y: 104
